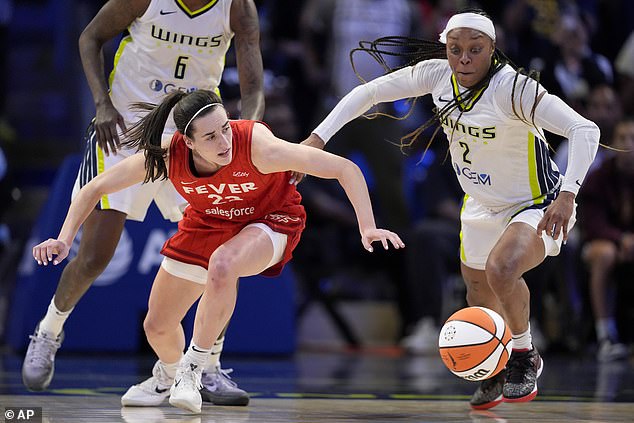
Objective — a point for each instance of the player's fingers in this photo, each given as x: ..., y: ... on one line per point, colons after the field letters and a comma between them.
x: 102, y: 140
x: 121, y: 123
x: 564, y: 230
x: 51, y: 249
x: 543, y: 224
x: 40, y: 254
x: 113, y: 139
x: 36, y: 254
x: 61, y: 255
x: 367, y: 243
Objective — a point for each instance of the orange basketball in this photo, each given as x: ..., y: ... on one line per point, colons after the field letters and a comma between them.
x: 475, y: 343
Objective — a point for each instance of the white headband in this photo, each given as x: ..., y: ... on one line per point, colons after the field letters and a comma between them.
x: 197, y: 113
x: 468, y: 20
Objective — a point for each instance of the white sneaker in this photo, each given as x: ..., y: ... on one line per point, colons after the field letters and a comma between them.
x: 612, y: 351
x: 151, y: 392
x: 185, y: 392
x: 423, y: 339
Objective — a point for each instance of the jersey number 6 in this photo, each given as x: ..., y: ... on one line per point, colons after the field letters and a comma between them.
x: 181, y: 64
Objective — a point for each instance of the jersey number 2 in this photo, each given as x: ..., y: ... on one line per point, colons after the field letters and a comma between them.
x: 465, y: 154
x: 181, y: 64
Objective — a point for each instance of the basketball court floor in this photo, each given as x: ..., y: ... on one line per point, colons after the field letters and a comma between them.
x: 376, y: 386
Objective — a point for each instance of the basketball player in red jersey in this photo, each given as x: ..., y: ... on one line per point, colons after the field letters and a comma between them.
x: 243, y: 218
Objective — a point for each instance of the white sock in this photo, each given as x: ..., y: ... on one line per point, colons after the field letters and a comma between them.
x: 523, y: 341
x: 54, y: 319
x: 196, y: 355
x: 606, y: 329
x: 214, y: 357
x: 170, y: 368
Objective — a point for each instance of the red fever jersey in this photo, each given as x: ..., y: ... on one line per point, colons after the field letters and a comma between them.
x: 235, y: 196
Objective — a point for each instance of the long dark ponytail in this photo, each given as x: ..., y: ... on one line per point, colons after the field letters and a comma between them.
x: 147, y: 133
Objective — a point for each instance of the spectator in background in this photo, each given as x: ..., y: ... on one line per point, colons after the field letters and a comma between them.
x: 575, y: 69
x: 521, y: 43
x: 603, y: 107
x: 607, y: 218
x: 284, y: 53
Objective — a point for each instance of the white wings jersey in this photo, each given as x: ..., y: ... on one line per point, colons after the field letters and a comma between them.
x: 499, y: 159
x: 170, y: 48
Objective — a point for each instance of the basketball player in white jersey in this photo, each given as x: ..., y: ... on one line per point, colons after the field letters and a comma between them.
x: 167, y: 45
x: 517, y: 207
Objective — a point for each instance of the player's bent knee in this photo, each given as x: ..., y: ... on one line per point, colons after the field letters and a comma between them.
x: 501, y: 274
x: 153, y: 327
x: 221, y: 270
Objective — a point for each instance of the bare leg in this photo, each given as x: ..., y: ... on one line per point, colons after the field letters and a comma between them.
x: 479, y: 292
x: 246, y: 254
x: 601, y: 257
x: 517, y: 251
x: 170, y: 299
x: 100, y: 235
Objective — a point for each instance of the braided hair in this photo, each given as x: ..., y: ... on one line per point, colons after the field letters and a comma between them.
x: 414, y: 50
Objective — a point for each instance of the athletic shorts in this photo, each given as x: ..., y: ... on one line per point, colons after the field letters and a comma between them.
x: 198, y: 274
x: 135, y: 200
x: 481, y: 229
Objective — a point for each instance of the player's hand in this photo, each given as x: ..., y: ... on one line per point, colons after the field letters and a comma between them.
x: 557, y: 216
x: 43, y: 252
x: 313, y: 140
x: 106, y: 121
x: 386, y: 237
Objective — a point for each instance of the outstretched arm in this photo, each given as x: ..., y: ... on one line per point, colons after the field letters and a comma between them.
x: 245, y: 25
x: 271, y: 154
x: 124, y: 174
x: 403, y: 83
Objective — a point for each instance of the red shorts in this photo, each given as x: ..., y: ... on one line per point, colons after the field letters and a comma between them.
x: 194, y: 243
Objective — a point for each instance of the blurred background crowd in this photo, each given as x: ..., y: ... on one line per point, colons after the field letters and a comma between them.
x: 584, y: 50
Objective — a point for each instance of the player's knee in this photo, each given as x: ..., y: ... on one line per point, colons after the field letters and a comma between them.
x: 600, y: 254
x: 221, y: 268
x: 153, y: 327
x: 501, y: 274
x: 92, y: 263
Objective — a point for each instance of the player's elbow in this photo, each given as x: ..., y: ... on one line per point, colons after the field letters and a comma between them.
x: 349, y: 172
x: 586, y: 130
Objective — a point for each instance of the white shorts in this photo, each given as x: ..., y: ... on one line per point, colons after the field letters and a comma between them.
x: 481, y: 229
x: 135, y: 200
x: 198, y: 274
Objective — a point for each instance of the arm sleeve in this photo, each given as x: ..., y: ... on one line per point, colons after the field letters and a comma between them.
x: 554, y: 115
x: 403, y: 83
x: 583, y: 135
